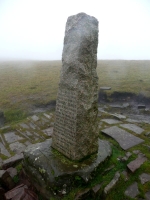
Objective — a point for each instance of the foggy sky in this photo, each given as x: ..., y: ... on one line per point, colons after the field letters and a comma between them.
x: 34, y: 29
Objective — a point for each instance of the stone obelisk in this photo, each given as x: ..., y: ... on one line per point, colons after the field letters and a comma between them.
x: 76, y: 129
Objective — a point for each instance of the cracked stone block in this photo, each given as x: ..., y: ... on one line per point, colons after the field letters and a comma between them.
x: 144, y: 178
x: 35, y: 118
x: 111, y: 121
x: 132, y: 191
x: 17, y: 147
x: 124, y: 138
x: 48, y: 131
x: 112, y: 183
x: 4, y: 151
x: 135, y: 164
x: 11, y: 137
x: 132, y: 127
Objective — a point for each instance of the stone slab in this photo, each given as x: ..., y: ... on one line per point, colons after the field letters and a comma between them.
x: 125, y: 139
x: 17, y: 147
x: 118, y: 116
x: 48, y: 116
x: 116, y: 106
x: 11, y: 137
x: 42, y: 156
x: 111, y: 121
x: 132, y: 127
x: 132, y: 191
x: 105, y: 88
x: 3, y: 150
x: 112, y: 183
x: 144, y: 178
x: 48, y: 131
x: 12, y: 161
x: 147, y: 195
x: 133, y: 120
x: 25, y: 126
x: 135, y: 164
x: 35, y: 118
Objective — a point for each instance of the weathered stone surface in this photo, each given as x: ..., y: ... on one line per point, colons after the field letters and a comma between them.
x: 116, y: 106
x: 3, y: 150
x: 144, y: 178
x: 43, y: 164
x: 12, y: 171
x: 132, y: 127
x: 132, y: 120
x: 11, y: 161
x: 125, y: 139
x: 125, y: 175
x: 6, y: 179
x: 76, y: 108
x: 2, y: 118
x: 2, y: 192
x: 141, y: 106
x: 48, y: 116
x: 17, y: 147
x: 82, y: 194
x: 135, y: 164
x: 48, y: 131
x: 11, y: 137
x: 111, y: 121
x: 105, y: 88
x: 132, y: 191
x: 35, y: 118
x: 118, y: 116
x: 147, y: 195
x: 112, y: 183
x: 25, y: 126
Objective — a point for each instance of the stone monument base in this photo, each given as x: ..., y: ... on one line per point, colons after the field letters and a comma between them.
x: 51, y: 172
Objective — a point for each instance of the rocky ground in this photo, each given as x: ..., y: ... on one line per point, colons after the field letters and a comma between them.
x: 124, y: 123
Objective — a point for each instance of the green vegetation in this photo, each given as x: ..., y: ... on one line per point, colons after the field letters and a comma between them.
x: 27, y: 84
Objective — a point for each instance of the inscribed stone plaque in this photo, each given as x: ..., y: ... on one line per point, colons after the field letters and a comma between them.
x: 76, y: 127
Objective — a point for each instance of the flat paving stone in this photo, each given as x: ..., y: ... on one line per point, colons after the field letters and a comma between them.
x: 3, y: 150
x: 133, y: 120
x: 11, y: 137
x: 48, y: 131
x: 132, y: 191
x: 12, y: 161
x: 33, y: 126
x: 135, y: 164
x: 132, y: 127
x: 118, y: 116
x: 144, y: 178
x: 35, y: 118
x: 17, y: 147
x: 147, y: 195
x: 116, y: 106
x: 25, y: 126
x: 48, y: 116
x: 125, y: 139
x: 105, y: 88
x: 111, y: 121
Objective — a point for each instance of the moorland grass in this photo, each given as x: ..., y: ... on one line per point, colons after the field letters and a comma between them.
x: 24, y: 84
